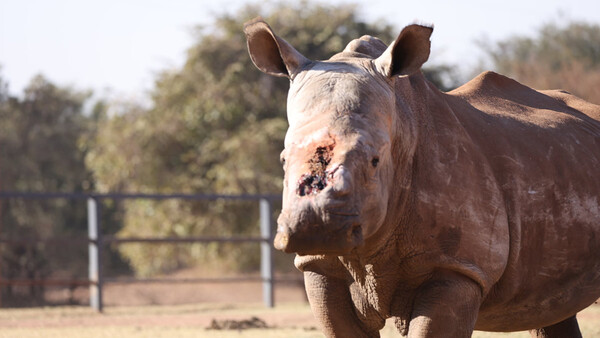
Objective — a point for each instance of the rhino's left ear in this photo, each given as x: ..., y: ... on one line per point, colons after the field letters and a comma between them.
x: 270, y: 53
x: 408, y: 53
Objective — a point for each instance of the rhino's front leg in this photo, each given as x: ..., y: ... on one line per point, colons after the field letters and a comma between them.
x: 446, y: 306
x: 332, y: 306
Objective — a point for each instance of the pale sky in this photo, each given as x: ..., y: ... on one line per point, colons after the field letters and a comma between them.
x: 121, y: 45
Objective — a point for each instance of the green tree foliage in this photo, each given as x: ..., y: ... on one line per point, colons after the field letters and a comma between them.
x: 40, y: 151
x: 559, y: 57
x: 41, y: 134
x: 215, y: 126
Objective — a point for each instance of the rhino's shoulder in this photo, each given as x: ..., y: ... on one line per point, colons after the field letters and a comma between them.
x: 490, y: 83
x: 493, y: 92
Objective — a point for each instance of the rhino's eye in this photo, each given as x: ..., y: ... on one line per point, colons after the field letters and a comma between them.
x: 375, y: 162
x: 282, y: 157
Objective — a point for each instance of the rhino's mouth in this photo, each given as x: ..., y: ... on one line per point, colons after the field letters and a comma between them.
x: 317, y: 239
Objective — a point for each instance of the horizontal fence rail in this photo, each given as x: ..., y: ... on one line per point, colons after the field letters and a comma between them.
x: 46, y: 282
x: 96, y: 241
x: 121, y: 196
x: 207, y: 239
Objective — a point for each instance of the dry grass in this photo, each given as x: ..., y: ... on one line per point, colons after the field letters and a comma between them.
x: 286, y: 320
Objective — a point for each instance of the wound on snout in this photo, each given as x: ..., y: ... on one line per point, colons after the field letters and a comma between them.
x: 317, y: 179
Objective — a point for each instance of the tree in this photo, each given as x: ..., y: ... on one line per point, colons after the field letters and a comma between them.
x: 558, y: 57
x: 40, y: 151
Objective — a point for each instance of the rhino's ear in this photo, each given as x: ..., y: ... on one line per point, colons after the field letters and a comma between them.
x: 408, y: 53
x: 270, y: 53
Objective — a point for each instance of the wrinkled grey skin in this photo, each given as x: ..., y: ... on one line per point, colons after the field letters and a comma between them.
x: 474, y: 209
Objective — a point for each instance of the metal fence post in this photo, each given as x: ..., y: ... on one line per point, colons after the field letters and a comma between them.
x: 266, y: 252
x: 95, y: 254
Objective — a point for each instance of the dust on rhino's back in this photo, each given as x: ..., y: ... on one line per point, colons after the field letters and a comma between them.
x: 544, y: 151
x: 541, y: 146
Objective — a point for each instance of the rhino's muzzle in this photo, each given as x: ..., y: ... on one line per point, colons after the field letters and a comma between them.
x: 318, y: 239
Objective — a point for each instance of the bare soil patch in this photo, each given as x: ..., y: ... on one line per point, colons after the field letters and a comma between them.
x: 195, y: 310
x: 196, y: 320
x: 137, y: 294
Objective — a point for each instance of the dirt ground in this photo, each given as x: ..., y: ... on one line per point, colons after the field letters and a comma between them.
x: 194, y: 310
x: 138, y: 294
x: 195, y: 320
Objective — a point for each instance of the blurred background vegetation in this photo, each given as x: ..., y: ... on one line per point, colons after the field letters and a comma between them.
x: 216, y: 125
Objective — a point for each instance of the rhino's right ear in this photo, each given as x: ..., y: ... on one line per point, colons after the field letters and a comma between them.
x: 270, y: 53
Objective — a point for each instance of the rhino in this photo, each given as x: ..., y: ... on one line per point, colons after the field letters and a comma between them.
x: 475, y: 209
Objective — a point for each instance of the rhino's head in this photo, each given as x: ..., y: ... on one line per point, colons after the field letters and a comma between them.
x: 343, y: 139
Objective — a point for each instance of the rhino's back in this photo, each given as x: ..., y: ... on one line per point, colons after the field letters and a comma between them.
x: 535, y: 133
x: 499, y: 95
x: 544, y: 151
x: 524, y: 130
